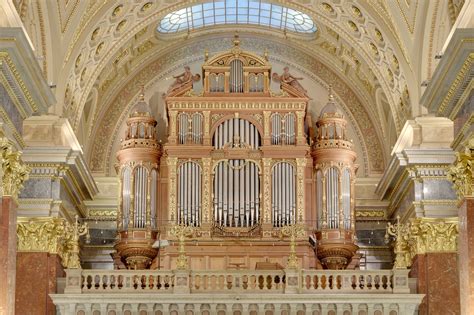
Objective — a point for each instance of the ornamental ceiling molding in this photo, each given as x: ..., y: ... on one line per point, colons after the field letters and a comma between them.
x: 82, y: 81
x: 99, y: 154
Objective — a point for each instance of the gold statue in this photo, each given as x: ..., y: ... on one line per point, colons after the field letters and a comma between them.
x: 287, y: 78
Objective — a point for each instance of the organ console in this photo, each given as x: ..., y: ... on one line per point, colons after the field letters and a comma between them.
x: 238, y: 167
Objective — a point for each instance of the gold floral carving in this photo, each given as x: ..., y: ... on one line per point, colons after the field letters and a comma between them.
x: 181, y: 232
x: 300, y: 166
x: 293, y: 232
x: 40, y: 234
x: 172, y: 162
x: 267, y: 163
x: 206, y: 180
x: 421, y: 236
x: 51, y: 235
x: 433, y: 235
x: 13, y: 171
x: 462, y: 172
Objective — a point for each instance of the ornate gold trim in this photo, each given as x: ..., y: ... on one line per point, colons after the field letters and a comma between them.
x: 13, y: 171
x: 462, y: 172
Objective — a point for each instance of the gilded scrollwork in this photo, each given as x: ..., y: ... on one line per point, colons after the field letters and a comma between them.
x: 13, y: 171
x: 421, y: 236
x: 206, y: 180
x: 267, y: 163
x: 300, y: 166
x: 51, y: 235
x: 462, y: 172
x: 294, y: 232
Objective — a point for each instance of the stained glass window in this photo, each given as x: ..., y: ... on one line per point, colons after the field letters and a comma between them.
x: 253, y: 12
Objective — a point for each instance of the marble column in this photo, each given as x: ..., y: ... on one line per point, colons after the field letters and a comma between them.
x: 12, y: 175
x: 462, y: 176
x: 35, y: 280
x: 466, y: 255
x: 432, y: 244
x: 7, y: 255
x: 436, y: 275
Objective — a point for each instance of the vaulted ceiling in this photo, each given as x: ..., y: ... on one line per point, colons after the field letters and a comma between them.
x: 374, y: 53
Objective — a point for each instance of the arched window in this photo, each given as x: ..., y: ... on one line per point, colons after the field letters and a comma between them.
x: 254, y: 12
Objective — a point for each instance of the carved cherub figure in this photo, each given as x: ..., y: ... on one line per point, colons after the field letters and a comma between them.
x: 182, y: 79
x: 287, y: 78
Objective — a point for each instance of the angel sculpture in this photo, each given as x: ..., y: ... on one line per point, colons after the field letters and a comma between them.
x: 183, y: 79
x: 287, y: 78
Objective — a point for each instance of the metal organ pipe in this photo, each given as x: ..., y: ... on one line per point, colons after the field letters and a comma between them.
x: 346, y: 197
x: 153, y: 197
x: 230, y: 129
x: 126, y: 191
x: 283, y: 194
x: 236, y: 76
x: 140, y: 197
x: 189, y: 194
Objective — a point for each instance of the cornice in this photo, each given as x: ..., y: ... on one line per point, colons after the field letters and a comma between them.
x: 23, y: 74
x: 452, y: 75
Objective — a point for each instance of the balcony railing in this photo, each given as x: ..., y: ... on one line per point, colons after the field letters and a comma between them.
x: 234, y: 281
x: 301, y: 292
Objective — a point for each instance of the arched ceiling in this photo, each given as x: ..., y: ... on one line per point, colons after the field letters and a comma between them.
x: 95, y: 51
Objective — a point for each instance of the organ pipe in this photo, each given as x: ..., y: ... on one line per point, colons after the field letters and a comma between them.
x: 189, y: 194
x: 236, y: 193
x: 283, y: 194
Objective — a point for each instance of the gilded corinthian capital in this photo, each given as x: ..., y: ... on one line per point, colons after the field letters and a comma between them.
x: 462, y: 172
x: 40, y: 234
x: 433, y: 235
x: 13, y: 171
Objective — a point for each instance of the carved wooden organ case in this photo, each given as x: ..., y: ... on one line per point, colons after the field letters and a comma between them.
x: 237, y: 166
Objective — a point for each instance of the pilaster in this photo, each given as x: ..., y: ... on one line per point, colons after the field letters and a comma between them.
x: 60, y: 180
x: 462, y: 175
x: 12, y: 175
x: 415, y: 182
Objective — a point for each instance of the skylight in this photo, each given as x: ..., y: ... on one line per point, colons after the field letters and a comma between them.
x: 253, y: 12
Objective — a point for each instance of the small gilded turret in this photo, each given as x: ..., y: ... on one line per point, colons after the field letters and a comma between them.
x: 138, y: 160
x: 334, y: 174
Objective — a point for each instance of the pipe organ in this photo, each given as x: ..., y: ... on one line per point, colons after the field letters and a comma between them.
x: 138, y: 168
x: 334, y: 175
x: 238, y: 167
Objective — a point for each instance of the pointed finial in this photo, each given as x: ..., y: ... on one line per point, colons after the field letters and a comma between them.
x: 206, y: 55
x: 142, y: 94
x: 236, y: 39
x: 265, y: 54
x: 331, y: 95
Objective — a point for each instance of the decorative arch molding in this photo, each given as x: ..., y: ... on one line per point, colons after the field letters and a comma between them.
x: 81, y: 43
x: 116, y: 110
